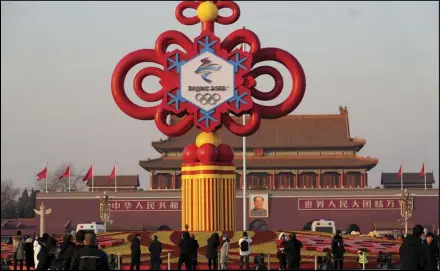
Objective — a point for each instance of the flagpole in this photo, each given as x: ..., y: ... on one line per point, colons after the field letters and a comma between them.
x: 69, y: 177
x: 424, y: 173
x: 401, y: 175
x: 244, y: 169
x: 93, y: 178
x: 47, y: 164
x: 115, y: 177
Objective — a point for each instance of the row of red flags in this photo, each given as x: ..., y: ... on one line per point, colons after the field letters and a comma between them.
x: 42, y: 175
x: 400, y: 173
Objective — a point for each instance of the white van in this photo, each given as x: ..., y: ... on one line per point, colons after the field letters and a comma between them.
x: 323, y: 225
x: 96, y: 227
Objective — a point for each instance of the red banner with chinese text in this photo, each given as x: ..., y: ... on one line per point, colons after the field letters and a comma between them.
x: 349, y: 204
x: 144, y: 205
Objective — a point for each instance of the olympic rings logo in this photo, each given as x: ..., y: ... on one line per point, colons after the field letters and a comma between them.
x: 207, y: 98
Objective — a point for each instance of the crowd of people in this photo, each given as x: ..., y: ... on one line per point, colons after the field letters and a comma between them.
x: 419, y: 251
x: 43, y: 253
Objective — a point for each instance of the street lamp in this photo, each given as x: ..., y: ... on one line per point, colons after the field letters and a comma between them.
x: 406, y: 207
x: 104, y: 209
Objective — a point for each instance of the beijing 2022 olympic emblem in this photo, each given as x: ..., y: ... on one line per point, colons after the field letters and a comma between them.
x: 211, y: 79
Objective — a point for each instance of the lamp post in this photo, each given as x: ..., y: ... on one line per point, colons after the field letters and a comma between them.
x: 406, y: 207
x: 104, y: 209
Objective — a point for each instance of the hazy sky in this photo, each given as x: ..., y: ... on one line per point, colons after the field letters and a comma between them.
x: 380, y: 59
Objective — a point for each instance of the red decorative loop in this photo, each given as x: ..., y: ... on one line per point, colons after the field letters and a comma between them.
x: 173, y: 37
x: 298, y: 78
x: 118, y: 80
x: 243, y: 130
x: 233, y: 17
x: 277, y: 77
x: 182, y: 18
x: 179, y: 129
x: 239, y: 37
x: 137, y: 84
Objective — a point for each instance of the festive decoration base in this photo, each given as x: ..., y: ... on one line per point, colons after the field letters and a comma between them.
x: 208, y: 196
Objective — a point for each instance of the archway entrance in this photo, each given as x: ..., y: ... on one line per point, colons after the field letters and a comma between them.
x: 258, y: 225
x: 164, y: 228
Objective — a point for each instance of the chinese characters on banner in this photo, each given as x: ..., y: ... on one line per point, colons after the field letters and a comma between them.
x: 144, y: 205
x: 349, y: 204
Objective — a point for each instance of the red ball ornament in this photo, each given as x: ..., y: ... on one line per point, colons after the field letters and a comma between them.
x: 207, y: 153
x: 189, y: 154
x: 225, y: 153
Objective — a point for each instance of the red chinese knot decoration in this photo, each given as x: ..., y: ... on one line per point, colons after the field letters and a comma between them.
x: 211, y: 79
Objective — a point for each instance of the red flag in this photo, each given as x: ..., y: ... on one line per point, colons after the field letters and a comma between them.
x: 113, y: 174
x: 422, y: 172
x: 66, y: 173
x: 88, y: 175
x: 399, y: 174
x: 42, y: 175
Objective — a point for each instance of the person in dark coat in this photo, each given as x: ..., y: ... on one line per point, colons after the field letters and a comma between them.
x: 212, y: 251
x: 67, y: 251
x: 184, y: 246
x: 193, y: 252
x: 432, y: 252
x: 293, y: 246
x: 90, y: 257
x: 29, y: 253
x: 412, y: 251
x: 136, y: 252
x: 338, y: 250
x: 155, y: 249
x: 46, y: 255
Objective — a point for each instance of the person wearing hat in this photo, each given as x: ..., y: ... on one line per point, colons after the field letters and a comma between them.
x: 362, y: 258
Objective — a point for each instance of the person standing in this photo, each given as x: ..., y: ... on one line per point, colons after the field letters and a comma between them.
x: 245, y: 249
x: 155, y: 249
x: 281, y: 254
x: 135, y: 252
x: 338, y: 250
x: 293, y: 252
x: 432, y: 252
x: 212, y: 250
x: 412, y: 251
x: 90, y: 257
x: 224, y: 253
x: 184, y: 245
x: 18, y: 250
x: 193, y: 252
x: 37, y: 248
x: 29, y: 254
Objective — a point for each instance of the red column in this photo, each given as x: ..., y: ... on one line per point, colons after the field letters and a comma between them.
x: 341, y: 179
x: 318, y: 180
x: 173, y: 180
x: 273, y: 180
x: 295, y: 180
x: 151, y: 180
x: 241, y: 180
x: 365, y: 179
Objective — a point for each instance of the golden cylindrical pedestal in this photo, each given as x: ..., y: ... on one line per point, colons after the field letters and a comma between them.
x: 208, y: 196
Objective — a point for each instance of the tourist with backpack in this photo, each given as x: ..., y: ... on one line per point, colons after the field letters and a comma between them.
x: 245, y: 250
x: 90, y: 257
x: 338, y: 250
